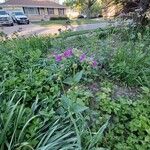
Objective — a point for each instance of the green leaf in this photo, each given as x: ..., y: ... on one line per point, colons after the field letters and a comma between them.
x: 98, y: 135
x: 146, y: 90
x: 75, y: 79
x: 74, y: 107
x: 77, y: 108
x: 66, y: 102
x: 69, y: 81
x: 78, y: 77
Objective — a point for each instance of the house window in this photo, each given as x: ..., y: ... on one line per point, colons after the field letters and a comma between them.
x: 31, y: 11
x: 61, y: 11
x: 50, y: 11
x: 42, y: 11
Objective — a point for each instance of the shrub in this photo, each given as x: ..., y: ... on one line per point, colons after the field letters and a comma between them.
x: 130, y: 65
x: 130, y: 62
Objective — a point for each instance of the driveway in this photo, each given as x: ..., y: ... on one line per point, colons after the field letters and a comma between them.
x: 27, y: 30
x: 35, y: 29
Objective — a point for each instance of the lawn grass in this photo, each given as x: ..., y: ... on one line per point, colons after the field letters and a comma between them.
x: 72, y: 22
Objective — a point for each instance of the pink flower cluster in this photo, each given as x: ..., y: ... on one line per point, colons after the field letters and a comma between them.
x: 67, y: 54
x: 70, y: 52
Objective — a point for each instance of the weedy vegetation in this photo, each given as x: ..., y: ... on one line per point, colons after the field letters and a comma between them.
x: 79, y: 91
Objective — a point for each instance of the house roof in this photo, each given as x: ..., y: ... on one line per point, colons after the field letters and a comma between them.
x: 32, y: 3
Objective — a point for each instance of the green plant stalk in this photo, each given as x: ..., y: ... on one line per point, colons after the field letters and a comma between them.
x: 3, y: 134
x: 21, y: 112
x: 61, y: 82
x: 28, y: 146
x: 24, y: 127
x: 74, y: 71
x: 76, y: 128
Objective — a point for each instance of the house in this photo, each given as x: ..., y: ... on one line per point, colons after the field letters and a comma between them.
x: 36, y: 9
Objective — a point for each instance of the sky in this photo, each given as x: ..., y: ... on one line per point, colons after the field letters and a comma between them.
x: 61, y: 1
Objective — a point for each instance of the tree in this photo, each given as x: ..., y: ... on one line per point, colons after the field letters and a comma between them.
x: 89, y: 4
x: 82, y: 4
x: 137, y: 8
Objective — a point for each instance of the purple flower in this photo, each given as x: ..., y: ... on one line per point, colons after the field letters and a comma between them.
x: 82, y: 57
x: 68, y: 53
x: 59, y: 57
x: 94, y: 63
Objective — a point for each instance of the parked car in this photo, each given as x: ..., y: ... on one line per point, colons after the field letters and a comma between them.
x: 5, y: 18
x: 19, y: 17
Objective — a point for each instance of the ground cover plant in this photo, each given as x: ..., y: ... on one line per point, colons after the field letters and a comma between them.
x: 88, y: 91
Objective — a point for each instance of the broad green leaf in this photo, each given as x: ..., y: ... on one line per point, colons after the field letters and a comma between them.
x: 75, y: 79
x: 69, y: 81
x: 66, y: 102
x: 98, y: 135
x: 77, y: 108
x: 78, y: 76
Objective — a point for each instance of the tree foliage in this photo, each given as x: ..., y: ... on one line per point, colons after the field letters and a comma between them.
x: 82, y: 5
x: 132, y: 8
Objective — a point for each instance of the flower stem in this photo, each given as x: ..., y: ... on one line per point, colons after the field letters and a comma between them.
x: 62, y: 86
x: 77, y: 130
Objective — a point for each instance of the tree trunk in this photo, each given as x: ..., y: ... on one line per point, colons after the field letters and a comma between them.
x: 89, y: 4
x: 88, y: 13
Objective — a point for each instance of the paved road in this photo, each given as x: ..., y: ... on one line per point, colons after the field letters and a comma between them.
x: 31, y: 29
x: 27, y: 30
